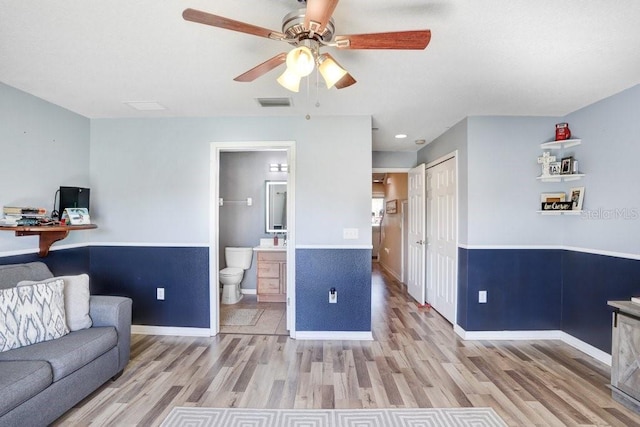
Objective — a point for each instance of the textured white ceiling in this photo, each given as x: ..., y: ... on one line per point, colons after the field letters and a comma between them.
x: 489, y: 57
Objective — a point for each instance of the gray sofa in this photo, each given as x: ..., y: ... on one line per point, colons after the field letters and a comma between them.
x: 40, y: 382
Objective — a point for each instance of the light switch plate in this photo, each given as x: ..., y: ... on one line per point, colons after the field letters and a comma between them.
x: 350, y: 233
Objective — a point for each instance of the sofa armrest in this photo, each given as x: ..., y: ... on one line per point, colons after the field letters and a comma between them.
x: 114, y: 311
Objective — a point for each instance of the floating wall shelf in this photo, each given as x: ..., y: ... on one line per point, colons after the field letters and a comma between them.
x: 560, y: 178
x: 558, y: 145
x: 48, y: 235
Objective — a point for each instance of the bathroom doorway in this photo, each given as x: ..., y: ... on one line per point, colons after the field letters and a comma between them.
x: 242, y: 175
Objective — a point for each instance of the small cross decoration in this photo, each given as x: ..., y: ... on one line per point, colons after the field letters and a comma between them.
x: 545, y: 160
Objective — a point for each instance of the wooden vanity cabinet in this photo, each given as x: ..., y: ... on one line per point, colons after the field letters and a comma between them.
x: 272, y: 276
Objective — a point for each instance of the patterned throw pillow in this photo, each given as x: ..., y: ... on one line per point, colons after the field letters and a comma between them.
x: 76, y: 299
x: 32, y: 314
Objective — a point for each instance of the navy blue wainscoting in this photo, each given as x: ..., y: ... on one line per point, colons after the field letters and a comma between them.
x: 65, y: 262
x: 347, y: 270
x: 136, y: 272
x: 524, y: 289
x: 589, y: 281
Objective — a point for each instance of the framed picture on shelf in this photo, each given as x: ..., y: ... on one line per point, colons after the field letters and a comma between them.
x: 77, y: 216
x: 552, y: 197
x: 392, y: 206
x: 554, y: 168
x: 566, y: 165
x: 576, y: 195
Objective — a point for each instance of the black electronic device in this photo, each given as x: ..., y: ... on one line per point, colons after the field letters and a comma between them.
x: 73, y: 197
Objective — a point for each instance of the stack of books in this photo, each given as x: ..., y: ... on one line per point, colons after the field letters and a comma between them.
x: 15, y: 216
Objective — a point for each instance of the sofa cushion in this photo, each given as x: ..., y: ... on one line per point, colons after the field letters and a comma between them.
x: 11, y: 274
x: 69, y: 353
x: 32, y: 314
x: 76, y: 300
x: 20, y: 381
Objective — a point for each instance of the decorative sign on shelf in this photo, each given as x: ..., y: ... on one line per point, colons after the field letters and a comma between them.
x: 557, y: 206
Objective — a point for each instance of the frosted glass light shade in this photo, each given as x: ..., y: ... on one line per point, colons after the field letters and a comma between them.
x: 331, y: 72
x: 300, y: 61
x: 290, y: 80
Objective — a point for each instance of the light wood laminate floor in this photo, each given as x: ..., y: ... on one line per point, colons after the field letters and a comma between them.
x: 415, y: 360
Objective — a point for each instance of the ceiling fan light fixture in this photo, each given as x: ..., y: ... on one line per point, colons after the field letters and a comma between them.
x: 330, y: 70
x: 290, y: 80
x: 300, y: 61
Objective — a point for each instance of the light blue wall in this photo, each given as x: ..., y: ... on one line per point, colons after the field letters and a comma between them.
x: 43, y: 147
x: 610, y: 157
x: 163, y: 167
x: 394, y: 159
x: 504, y: 194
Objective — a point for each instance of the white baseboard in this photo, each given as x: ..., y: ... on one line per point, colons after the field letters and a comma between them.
x: 248, y: 291
x: 574, y: 342
x: 596, y: 353
x: 390, y: 271
x: 170, y: 330
x: 334, y: 335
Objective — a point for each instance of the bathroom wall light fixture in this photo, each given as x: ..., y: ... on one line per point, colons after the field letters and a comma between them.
x: 278, y: 167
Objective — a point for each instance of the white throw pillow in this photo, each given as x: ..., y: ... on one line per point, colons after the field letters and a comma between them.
x: 32, y: 314
x: 76, y: 300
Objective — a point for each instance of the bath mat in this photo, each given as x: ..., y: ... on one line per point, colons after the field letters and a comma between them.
x: 240, y: 316
x: 422, y: 417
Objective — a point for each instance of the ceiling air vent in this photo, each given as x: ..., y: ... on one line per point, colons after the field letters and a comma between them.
x: 274, y: 102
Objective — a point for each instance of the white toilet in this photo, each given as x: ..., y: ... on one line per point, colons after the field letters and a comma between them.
x: 238, y: 260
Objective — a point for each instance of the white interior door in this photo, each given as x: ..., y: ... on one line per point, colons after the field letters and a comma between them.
x: 416, y: 233
x: 441, y: 236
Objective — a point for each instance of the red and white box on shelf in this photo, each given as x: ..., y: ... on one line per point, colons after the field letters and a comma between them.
x: 562, y: 131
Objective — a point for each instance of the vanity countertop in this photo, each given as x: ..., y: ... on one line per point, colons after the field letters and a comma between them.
x: 270, y: 248
x: 267, y: 245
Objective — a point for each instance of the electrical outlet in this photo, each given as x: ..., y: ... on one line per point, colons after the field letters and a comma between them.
x: 482, y: 297
x: 160, y: 294
x: 333, y: 296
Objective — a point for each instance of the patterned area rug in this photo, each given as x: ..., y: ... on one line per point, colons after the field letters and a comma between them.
x: 240, y: 316
x: 420, y: 417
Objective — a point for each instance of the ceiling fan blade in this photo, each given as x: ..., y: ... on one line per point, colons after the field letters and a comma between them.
x: 261, y: 69
x: 229, y: 24
x: 418, y: 39
x: 318, y: 14
x: 346, y: 81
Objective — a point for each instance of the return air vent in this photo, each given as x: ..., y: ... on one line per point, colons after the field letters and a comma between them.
x: 274, y: 102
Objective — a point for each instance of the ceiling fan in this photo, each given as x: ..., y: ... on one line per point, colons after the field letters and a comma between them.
x: 309, y: 30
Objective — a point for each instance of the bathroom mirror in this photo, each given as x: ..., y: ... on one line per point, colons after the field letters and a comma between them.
x: 276, y: 206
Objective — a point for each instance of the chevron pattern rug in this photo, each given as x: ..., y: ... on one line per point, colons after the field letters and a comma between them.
x: 420, y: 417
